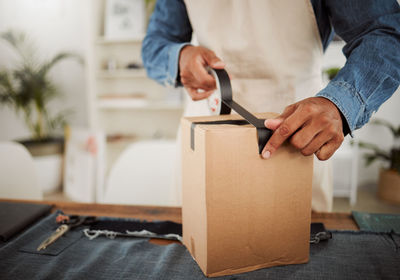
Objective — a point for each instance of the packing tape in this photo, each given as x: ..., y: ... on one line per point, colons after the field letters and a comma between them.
x: 227, y: 105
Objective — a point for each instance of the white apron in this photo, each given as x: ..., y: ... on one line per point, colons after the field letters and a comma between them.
x: 273, y: 53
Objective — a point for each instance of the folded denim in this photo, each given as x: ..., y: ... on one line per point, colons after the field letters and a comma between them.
x: 111, y: 228
x: 358, y: 255
x: 94, y: 233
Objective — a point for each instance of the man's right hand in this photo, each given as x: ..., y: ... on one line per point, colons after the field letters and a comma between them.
x: 194, y: 76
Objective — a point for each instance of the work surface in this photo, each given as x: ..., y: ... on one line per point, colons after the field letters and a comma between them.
x: 338, y: 221
x: 349, y: 255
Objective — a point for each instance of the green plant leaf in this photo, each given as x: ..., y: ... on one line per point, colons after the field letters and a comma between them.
x: 387, y: 124
x: 21, y: 45
x: 58, y: 58
x: 371, y: 146
x: 6, y: 89
x: 332, y: 72
x: 369, y: 159
x: 28, y: 87
x: 59, y: 120
x: 377, y: 153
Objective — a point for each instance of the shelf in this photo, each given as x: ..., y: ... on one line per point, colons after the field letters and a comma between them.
x: 126, y: 103
x: 105, y: 41
x: 122, y: 74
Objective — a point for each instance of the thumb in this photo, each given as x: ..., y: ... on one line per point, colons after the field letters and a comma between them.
x: 273, y: 123
x: 213, y: 61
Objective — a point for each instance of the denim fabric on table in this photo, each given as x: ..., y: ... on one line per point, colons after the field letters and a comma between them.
x: 349, y: 255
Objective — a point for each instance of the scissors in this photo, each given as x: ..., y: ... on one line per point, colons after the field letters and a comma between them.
x: 71, y: 222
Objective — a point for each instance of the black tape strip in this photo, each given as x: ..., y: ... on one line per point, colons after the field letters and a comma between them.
x: 163, y: 228
x: 263, y: 133
x: 227, y: 100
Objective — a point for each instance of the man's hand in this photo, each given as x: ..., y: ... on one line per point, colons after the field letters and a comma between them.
x: 194, y: 76
x: 313, y: 125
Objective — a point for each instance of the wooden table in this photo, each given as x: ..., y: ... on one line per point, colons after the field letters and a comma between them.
x: 341, y: 221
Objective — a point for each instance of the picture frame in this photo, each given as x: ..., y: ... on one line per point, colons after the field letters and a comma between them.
x: 125, y: 19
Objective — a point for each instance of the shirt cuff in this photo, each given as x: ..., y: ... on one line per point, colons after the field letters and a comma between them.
x: 348, y: 101
x: 173, y: 64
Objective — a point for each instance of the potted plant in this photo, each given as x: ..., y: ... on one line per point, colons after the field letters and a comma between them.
x: 331, y: 72
x: 389, y: 178
x: 28, y: 89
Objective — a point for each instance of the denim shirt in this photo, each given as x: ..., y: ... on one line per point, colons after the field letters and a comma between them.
x: 370, y: 28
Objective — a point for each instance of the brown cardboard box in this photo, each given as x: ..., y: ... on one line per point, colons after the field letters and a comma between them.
x: 241, y: 212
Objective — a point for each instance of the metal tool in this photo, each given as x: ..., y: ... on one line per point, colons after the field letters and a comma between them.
x: 67, y: 224
x: 320, y: 236
x: 319, y: 233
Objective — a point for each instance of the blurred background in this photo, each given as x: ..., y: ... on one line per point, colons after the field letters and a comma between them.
x: 98, y: 130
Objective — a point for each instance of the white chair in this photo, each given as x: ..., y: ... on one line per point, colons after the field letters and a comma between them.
x: 143, y: 175
x: 18, y: 179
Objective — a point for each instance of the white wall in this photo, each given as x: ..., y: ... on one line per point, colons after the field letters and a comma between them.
x: 54, y: 26
x: 369, y: 133
x: 379, y: 135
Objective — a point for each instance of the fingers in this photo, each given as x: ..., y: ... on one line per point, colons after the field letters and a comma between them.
x: 199, y: 79
x: 313, y: 125
x: 301, y: 139
x: 288, y: 111
x: 315, y: 144
x: 328, y: 149
x: 194, y: 76
x: 288, y: 126
x: 198, y: 95
x: 273, y: 123
x: 213, y: 61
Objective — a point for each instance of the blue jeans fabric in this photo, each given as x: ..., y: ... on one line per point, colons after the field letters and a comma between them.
x: 349, y: 255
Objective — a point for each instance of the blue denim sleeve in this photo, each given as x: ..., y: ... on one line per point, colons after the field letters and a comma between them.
x: 168, y: 32
x: 371, y: 30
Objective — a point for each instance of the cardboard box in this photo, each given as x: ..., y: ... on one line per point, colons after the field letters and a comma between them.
x: 241, y: 212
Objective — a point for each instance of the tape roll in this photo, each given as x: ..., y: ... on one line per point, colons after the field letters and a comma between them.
x: 228, y: 104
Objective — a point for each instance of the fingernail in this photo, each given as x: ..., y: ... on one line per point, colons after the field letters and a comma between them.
x: 266, y: 154
x: 219, y: 64
x: 272, y: 123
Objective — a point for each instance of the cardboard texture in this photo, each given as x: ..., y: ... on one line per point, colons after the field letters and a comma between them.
x: 241, y: 212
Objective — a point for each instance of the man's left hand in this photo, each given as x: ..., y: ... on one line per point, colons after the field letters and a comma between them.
x: 313, y: 125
